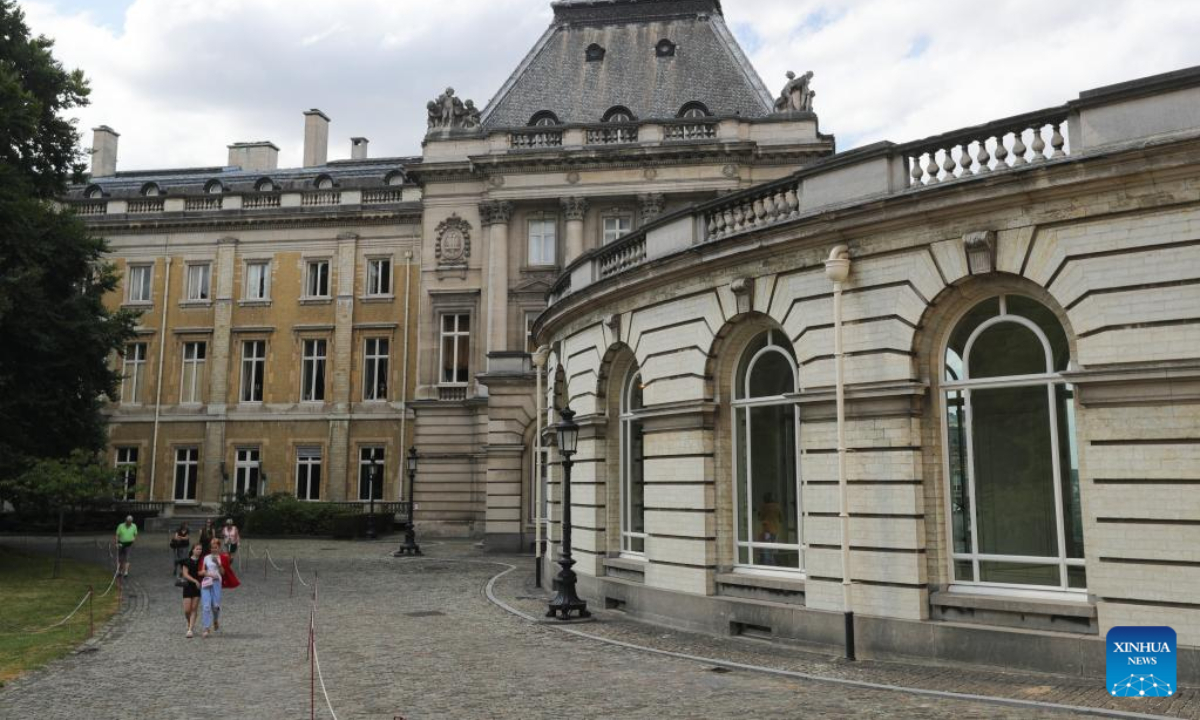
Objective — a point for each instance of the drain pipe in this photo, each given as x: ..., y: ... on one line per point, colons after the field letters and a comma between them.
x: 408, y: 256
x: 539, y: 362
x: 162, y: 346
x: 837, y: 269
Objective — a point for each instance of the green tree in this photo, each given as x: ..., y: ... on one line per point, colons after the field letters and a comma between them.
x: 56, y: 486
x: 57, y: 334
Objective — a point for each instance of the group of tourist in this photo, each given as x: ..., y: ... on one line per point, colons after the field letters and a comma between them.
x: 203, y: 569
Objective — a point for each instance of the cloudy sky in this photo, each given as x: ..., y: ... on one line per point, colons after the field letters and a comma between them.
x: 181, y: 79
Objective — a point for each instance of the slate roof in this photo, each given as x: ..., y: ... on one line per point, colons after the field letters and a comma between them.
x: 708, y: 66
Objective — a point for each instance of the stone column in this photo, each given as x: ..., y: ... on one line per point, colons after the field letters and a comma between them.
x: 219, y: 364
x: 574, y: 208
x: 341, y: 352
x: 495, y: 216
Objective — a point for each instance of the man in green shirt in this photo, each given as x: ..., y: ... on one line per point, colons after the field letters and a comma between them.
x: 126, y: 534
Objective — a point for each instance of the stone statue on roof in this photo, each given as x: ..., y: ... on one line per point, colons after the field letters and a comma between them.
x: 447, y: 112
x: 796, y: 95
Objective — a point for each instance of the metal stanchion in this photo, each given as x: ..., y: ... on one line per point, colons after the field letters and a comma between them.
x: 91, y: 612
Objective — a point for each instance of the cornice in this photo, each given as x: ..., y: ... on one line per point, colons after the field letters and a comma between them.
x: 293, y: 218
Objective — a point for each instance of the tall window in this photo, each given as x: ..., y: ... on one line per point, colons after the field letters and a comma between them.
x: 308, y: 473
x: 258, y: 280
x: 247, y: 471
x: 133, y: 373
x: 199, y: 280
x: 375, y: 369
x: 191, y: 384
x: 615, y: 226
x: 187, y: 467
x: 633, y: 482
x: 542, y: 240
x: 379, y: 276
x: 127, y: 460
x: 370, y: 472
x: 767, y: 493
x: 1012, y: 462
x: 456, y: 348
x: 312, y: 371
x: 138, y: 283
x: 254, y: 362
x: 316, y: 279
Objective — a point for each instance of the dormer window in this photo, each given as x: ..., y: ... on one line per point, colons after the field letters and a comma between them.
x: 617, y: 114
x: 265, y: 185
x: 323, y: 182
x: 543, y: 118
x: 394, y: 179
x: 214, y: 187
x: 94, y: 192
x: 594, y: 53
x: 151, y: 190
x: 664, y: 48
x: 694, y: 110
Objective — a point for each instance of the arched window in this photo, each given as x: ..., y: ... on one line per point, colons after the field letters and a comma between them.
x: 766, y: 456
x: 633, y: 483
x: 94, y: 192
x: 543, y: 118
x: 265, y: 185
x: 594, y: 53
x: 664, y: 48
x: 151, y: 190
x: 214, y: 187
x: 694, y: 110
x: 323, y: 182
x: 1011, y: 460
x: 617, y: 114
x: 394, y: 178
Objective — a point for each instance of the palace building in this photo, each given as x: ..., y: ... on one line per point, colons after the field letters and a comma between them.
x: 951, y: 386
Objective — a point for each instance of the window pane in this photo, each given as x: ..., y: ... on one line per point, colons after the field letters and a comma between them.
x: 1077, y: 578
x: 755, y: 345
x: 1047, y: 321
x: 1018, y: 573
x: 448, y: 358
x: 964, y: 571
x: 958, y: 341
x: 743, y: 478
x: 771, y: 375
x: 1068, y: 454
x: 774, y: 504
x: 956, y: 448
x: 636, y: 482
x: 1014, y: 473
x: 1007, y: 349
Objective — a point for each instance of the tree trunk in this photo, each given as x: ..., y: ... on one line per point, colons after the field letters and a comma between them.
x: 58, y: 549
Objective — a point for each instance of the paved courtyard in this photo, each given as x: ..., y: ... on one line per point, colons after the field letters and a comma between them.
x: 420, y: 639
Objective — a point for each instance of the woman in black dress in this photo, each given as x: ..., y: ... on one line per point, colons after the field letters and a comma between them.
x: 191, y: 587
x: 181, y: 543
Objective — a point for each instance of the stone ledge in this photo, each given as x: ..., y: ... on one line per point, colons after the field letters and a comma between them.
x: 761, y: 581
x: 1029, y: 606
x: 625, y: 569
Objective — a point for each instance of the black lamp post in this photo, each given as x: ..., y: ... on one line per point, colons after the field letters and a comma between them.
x: 565, y: 600
x: 410, y: 546
x: 374, y: 479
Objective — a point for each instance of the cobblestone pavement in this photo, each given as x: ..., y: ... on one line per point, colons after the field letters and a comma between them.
x: 417, y: 638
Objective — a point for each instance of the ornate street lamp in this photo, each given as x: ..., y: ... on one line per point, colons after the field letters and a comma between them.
x: 565, y: 600
x: 374, y: 479
x: 410, y: 546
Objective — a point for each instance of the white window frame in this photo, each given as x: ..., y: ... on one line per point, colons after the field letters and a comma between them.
x: 309, y: 458
x: 187, y: 459
x: 379, y: 277
x: 313, y: 367
x: 456, y: 335
x: 317, y: 270
x: 199, y: 281
x: 133, y: 373
x: 1051, y: 380
x: 139, y: 281
x: 195, y: 355
x: 542, y: 247
x: 262, y: 292
x: 530, y: 317
x: 628, y: 417
x: 376, y: 364
x: 126, y: 463
x: 748, y: 404
x: 608, y: 235
x: 247, y: 471
x: 254, y: 366
x: 365, y: 453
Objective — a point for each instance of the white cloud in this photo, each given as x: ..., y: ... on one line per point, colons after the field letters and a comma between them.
x: 180, y: 80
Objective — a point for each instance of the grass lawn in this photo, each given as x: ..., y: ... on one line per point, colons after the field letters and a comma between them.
x: 30, y: 600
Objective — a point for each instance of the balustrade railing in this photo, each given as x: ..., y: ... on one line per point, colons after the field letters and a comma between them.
x: 1022, y: 140
x: 612, y: 135
x: 452, y: 392
x: 380, y: 197
x: 91, y: 208
x: 316, y: 199
x: 144, y: 206
x: 768, y: 206
x: 690, y: 131
x: 202, y: 203
x: 536, y: 138
x: 252, y: 202
x: 621, y: 254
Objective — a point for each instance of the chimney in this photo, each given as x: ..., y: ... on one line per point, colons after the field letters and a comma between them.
x: 358, y: 148
x: 316, y: 138
x: 104, y: 151
x: 256, y: 156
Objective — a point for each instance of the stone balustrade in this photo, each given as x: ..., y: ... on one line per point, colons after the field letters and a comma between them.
x: 1022, y: 140
x: 695, y: 130
x: 202, y: 203
x: 612, y: 135
x: 321, y: 198
x: 234, y: 201
x: 382, y: 196
x: 621, y: 254
x: 91, y: 207
x: 538, y: 137
x: 254, y: 202
x: 773, y: 204
x: 138, y: 207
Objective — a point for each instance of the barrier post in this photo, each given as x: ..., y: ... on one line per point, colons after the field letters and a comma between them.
x: 292, y: 579
x: 264, y: 567
x: 91, y: 613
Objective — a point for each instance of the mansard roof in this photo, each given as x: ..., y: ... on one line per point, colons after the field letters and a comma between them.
x: 706, y: 65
